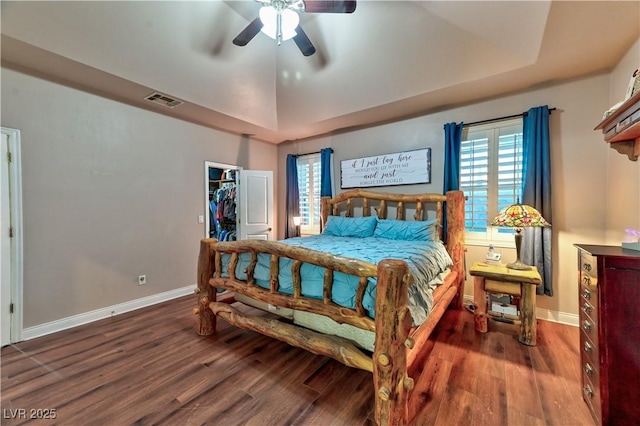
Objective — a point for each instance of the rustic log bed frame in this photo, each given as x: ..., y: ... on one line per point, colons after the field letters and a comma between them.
x: 398, y: 354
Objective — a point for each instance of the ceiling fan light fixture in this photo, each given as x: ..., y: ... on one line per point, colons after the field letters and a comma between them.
x: 279, y: 20
x: 280, y: 25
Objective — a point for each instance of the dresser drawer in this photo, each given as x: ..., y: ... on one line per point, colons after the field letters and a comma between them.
x: 589, y: 349
x: 588, y: 267
x: 589, y: 327
x: 591, y: 395
x: 493, y: 286
x: 590, y: 370
x: 588, y: 287
x: 588, y: 309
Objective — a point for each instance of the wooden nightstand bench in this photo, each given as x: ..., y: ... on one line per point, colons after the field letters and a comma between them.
x: 498, y: 279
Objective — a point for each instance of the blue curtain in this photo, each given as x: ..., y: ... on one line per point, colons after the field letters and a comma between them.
x: 293, y: 197
x: 325, y: 172
x: 536, y: 192
x: 452, y: 142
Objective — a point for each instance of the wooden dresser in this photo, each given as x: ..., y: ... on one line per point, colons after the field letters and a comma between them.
x: 609, y: 297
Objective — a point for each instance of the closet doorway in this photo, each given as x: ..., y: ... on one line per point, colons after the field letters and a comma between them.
x: 221, y: 195
x: 238, y: 203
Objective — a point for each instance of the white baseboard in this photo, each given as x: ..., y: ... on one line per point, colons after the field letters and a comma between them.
x: 546, y: 314
x: 98, y: 314
x: 559, y: 317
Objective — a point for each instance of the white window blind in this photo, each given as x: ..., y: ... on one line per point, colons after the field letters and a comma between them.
x: 490, y: 176
x: 309, y: 187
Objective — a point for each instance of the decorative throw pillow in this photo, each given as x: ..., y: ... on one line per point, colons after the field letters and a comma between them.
x: 360, y: 227
x: 405, y: 230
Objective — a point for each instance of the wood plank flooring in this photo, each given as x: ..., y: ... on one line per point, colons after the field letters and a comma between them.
x: 150, y: 367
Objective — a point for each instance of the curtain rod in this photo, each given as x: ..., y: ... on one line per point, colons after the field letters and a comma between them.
x: 309, y: 153
x: 491, y: 120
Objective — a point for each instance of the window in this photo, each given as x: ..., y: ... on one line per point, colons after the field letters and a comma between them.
x: 309, y: 187
x: 490, y: 176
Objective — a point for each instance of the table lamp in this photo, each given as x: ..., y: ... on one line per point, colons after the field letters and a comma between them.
x: 297, y: 220
x: 519, y: 216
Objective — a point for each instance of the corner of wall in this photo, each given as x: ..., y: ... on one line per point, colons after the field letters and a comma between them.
x: 623, y: 176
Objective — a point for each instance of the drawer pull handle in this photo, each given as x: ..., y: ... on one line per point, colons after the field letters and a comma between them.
x: 586, y: 325
x: 588, y: 369
x: 586, y: 266
x: 589, y: 392
x: 586, y: 293
x: 588, y: 348
x: 587, y: 308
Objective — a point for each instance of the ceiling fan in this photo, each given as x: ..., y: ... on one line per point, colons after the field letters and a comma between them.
x: 279, y: 20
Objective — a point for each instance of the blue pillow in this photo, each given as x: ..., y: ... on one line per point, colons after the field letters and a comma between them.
x: 424, y: 230
x: 360, y: 227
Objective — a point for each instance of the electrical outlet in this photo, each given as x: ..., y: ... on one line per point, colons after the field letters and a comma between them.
x: 201, y: 219
x: 142, y: 280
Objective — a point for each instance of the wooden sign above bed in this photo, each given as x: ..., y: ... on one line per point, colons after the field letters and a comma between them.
x: 401, y: 168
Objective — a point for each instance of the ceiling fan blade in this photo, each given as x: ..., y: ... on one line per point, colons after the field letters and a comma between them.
x: 303, y: 42
x: 329, y: 6
x: 248, y: 33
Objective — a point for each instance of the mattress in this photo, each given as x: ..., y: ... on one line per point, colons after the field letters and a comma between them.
x: 363, y: 338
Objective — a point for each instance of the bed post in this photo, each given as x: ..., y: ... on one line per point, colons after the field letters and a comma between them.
x: 393, y: 323
x: 455, y: 241
x: 206, y: 293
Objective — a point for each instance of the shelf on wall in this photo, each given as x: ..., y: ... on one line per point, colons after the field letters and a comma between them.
x: 621, y: 128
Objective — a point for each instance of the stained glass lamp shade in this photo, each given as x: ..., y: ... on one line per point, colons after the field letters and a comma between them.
x: 519, y: 216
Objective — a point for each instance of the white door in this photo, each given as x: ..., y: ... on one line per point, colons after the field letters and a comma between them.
x: 5, y: 245
x: 11, y: 264
x: 255, y: 193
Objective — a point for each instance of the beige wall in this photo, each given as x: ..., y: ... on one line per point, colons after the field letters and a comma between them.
x: 110, y: 192
x: 579, y: 168
x: 623, y: 177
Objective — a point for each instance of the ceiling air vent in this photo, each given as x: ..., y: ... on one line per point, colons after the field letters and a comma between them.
x: 164, y: 100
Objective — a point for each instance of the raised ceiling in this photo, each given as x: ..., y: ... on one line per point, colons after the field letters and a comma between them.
x: 386, y: 61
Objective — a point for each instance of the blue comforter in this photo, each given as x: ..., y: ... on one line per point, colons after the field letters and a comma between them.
x: 426, y: 260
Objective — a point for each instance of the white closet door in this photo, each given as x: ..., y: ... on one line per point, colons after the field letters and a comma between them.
x: 255, y: 188
x: 5, y: 244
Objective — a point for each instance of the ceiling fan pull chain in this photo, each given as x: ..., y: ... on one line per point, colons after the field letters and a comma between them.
x: 279, y: 27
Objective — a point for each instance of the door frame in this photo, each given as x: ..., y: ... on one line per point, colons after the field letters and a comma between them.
x: 15, y: 196
x: 211, y: 165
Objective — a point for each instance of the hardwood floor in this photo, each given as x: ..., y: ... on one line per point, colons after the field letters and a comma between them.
x: 150, y: 367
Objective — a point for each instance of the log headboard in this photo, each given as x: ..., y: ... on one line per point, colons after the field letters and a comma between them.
x: 344, y: 202
x: 420, y: 204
